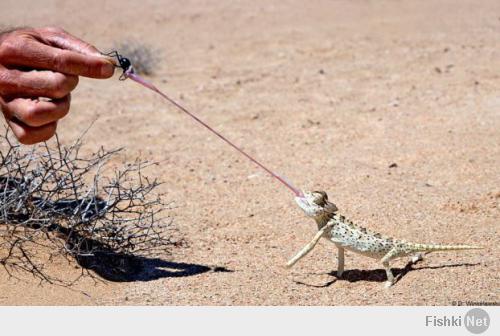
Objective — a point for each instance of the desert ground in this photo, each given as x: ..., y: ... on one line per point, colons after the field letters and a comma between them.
x: 392, y: 107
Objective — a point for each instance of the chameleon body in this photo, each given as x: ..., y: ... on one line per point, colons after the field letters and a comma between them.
x: 348, y: 236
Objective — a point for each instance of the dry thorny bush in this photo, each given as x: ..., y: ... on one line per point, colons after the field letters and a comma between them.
x: 143, y: 57
x: 55, y: 201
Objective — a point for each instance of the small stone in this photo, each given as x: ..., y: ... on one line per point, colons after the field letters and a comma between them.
x: 393, y: 165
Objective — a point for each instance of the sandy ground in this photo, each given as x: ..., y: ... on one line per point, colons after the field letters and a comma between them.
x: 330, y: 93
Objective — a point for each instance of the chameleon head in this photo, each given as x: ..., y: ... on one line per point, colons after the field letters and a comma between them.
x: 315, y: 204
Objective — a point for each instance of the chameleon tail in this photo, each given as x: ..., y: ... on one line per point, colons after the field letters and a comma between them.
x: 436, y: 247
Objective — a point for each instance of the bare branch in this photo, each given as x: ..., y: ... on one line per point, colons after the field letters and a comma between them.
x: 54, y: 200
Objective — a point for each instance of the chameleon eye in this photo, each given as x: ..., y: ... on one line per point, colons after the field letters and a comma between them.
x: 321, y: 199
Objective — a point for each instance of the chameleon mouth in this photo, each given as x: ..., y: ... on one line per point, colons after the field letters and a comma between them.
x: 302, y: 201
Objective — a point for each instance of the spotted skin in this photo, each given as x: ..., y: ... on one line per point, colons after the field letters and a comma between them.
x: 348, y: 236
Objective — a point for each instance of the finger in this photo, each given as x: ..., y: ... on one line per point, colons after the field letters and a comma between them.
x: 36, y: 55
x: 28, y: 135
x: 60, y: 38
x: 36, y: 113
x: 23, y: 84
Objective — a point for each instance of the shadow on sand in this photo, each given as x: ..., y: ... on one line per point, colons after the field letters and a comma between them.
x: 97, y: 256
x: 378, y: 275
x: 129, y: 268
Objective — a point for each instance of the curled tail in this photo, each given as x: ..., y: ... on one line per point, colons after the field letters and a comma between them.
x: 437, y: 247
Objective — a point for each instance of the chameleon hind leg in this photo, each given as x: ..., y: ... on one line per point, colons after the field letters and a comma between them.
x: 417, y: 257
x: 393, y: 253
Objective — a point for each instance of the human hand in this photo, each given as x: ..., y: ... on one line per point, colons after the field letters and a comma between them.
x: 38, y: 70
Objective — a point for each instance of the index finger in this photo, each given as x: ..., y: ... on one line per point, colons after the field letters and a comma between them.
x: 60, y: 38
x: 36, y: 55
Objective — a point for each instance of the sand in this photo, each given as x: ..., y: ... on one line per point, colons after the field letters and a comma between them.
x: 330, y: 94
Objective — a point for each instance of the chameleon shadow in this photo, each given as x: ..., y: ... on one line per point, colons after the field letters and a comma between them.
x: 379, y: 275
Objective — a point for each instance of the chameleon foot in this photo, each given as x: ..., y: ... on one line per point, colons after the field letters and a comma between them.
x: 417, y: 257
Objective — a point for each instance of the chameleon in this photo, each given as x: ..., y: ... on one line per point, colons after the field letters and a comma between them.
x: 348, y: 236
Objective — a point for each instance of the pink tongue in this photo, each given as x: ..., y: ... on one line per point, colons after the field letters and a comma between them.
x: 140, y: 80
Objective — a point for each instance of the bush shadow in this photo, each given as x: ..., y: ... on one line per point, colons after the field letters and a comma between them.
x: 129, y: 268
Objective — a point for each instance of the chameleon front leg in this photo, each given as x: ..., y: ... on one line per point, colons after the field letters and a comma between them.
x: 308, y: 248
x: 340, y: 261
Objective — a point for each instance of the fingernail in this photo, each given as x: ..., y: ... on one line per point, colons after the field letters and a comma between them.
x: 107, y: 70
x: 109, y: 59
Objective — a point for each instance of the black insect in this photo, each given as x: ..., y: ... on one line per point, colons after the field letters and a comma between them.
x: 124, y: 63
